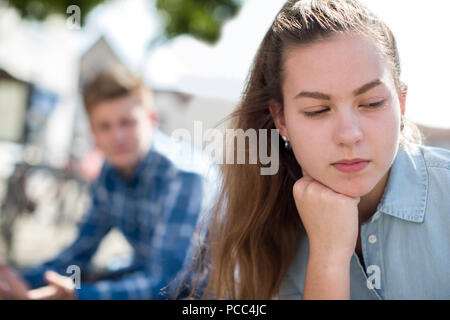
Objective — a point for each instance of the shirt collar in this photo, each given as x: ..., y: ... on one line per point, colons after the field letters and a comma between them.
x: 144, y: 164
x: 405, y: 196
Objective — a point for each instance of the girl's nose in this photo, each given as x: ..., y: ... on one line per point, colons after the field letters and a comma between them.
x: 348, y: 129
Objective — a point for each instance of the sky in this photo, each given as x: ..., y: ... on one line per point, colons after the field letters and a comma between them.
x: 220, y: 71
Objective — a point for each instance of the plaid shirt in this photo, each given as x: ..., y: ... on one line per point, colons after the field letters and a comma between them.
x: 157, y: 211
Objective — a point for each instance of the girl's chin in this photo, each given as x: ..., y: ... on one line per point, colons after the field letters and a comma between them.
x: 352, y: 191
x: 355, y: 194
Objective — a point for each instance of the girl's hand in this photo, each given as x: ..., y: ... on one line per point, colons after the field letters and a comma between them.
x: 330, y: 219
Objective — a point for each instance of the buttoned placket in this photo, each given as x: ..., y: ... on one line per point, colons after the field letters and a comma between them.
x: 371, y: 252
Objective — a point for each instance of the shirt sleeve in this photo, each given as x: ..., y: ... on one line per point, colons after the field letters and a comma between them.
x: 94, y: 227
x: 172, y: 235
x: 191, y: 281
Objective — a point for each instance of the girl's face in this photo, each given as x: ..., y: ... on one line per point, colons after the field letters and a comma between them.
x: 341, y: 103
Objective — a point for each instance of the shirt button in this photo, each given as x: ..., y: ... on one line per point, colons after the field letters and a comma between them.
x: 372, y: 239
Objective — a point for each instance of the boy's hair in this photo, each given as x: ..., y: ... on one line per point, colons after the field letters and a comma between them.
x: 115, y: 82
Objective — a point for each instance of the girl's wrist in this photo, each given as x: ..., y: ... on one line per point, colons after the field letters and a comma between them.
x: 327, y: 277
x: 332, y: 258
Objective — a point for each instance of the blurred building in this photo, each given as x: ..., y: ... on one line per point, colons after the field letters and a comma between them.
x: 14, y: 102
x: 42, y: 57
x: 437, y: 137
x: 24, y: 109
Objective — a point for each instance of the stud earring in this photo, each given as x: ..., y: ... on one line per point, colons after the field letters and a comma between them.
x: 402, y: 123
x: 286, y: 143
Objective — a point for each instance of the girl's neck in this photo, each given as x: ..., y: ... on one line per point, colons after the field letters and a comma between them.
x: 369, y: 202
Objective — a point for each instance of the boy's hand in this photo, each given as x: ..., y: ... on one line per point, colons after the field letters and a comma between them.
x: 12, y: 286
x: 59, y: 288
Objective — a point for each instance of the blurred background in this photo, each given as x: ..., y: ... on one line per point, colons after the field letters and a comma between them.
x: 194, y: 54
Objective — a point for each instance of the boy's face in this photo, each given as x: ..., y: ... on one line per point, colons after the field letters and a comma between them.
x: 122, y: 130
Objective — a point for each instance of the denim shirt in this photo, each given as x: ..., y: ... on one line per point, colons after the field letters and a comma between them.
x: 406, y: 243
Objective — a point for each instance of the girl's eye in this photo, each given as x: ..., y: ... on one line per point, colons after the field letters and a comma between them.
x: 374, y: 104
x: 315, y: 113
x: 369, y: 105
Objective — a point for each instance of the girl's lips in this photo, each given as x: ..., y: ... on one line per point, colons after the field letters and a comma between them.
x: 351, y: 167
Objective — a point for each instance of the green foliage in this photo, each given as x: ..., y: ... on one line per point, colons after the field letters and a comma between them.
x: 202, y: 19
x: 39, y: 10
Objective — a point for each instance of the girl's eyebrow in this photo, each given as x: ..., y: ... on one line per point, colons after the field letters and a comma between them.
x: 322, y: 96
x: 367, y: 87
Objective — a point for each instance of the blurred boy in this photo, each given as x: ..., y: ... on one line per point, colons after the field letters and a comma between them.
x: 139, y: 191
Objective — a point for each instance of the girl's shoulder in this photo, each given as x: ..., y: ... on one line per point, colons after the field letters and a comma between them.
x: 436, y: 157
x: 430, y: 167
x: 424, y: 166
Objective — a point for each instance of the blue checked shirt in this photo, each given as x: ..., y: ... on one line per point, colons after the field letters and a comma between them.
x: 157, y: 211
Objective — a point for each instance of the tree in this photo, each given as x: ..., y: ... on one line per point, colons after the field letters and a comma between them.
x: 40, y: 10
x: 202, y: 19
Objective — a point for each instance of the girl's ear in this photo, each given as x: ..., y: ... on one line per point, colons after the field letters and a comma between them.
x: 403, y: 102
x: 276, y: 110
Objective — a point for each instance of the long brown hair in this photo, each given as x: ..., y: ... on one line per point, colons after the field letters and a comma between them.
x: 253, y: 234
